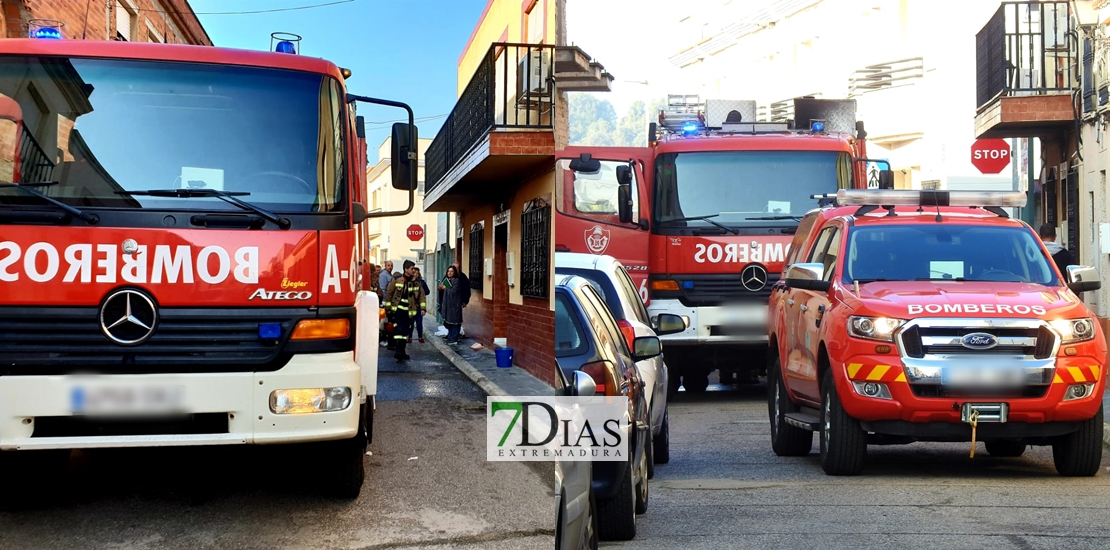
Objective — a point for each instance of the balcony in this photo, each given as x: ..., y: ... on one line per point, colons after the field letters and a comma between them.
x: 1027, y: 59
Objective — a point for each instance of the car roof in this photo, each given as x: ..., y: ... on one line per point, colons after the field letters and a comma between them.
x: 578, y: 260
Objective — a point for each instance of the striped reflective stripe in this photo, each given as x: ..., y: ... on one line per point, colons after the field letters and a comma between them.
x: 875, y: 373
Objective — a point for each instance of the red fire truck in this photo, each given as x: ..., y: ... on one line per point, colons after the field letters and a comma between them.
x: 703, y: 216
x: 179, y: 235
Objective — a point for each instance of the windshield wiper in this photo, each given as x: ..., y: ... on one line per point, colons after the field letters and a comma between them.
x: 226, y: 196
x: 940, y: 279
x: 705, y: 219
x: 795, y: 218
x: 26, y: 187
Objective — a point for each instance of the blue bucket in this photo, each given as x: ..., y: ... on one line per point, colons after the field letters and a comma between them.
x: 504, y: 357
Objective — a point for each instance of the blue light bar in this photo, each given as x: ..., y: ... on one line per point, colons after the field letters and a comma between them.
x: 47, y: 33
x: 269, y: 331
x: 818, y: 127
x: 690, y: 127
x: 286, y: 46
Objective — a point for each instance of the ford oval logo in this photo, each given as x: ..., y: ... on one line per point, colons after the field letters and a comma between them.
x: 979, y: 341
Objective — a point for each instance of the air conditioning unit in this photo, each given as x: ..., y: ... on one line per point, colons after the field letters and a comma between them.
x: 1028, y: 79
x: 532, y: 74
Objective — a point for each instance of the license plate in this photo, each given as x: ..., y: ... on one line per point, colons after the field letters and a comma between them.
x: 740, y: 316
x: 126, y: 399
x: 981, y: 377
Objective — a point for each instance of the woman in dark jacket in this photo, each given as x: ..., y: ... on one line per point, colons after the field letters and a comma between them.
x: 450, y: 301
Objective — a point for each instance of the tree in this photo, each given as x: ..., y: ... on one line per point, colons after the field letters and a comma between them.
x: 594, y: 121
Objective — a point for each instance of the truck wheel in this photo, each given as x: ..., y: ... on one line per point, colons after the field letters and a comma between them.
x: 616, y: 517
x: 786, y: 440
x: 1006, y: 449
x: 695, y: 381
x: 674, y: 380
x: 646, y: 473
x: 662, y: 442
x: 843, y: 441
x: 346, y: 468
x: 1080, y: 453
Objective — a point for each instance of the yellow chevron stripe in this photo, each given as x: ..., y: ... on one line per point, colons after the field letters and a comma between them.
x: 1094, y: 372
x: 878, y: 372
x: 853, y: 368
x: 1077, y: 374
x: 901, y: 377
x: 1057, y: 380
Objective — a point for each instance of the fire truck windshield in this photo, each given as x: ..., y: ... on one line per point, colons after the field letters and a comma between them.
x: 945, y: 252
x: 744, y: 188
x: 104, y: 129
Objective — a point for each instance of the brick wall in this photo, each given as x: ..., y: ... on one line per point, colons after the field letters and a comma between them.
x: 96, y: 19
x: 522, y: 143
x: 531, y: 334
x: 478, y: 319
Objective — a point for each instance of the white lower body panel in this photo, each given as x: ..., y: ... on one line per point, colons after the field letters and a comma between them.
x: 706, y: 323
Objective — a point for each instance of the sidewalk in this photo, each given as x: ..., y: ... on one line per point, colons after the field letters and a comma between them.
x: 481, y: 366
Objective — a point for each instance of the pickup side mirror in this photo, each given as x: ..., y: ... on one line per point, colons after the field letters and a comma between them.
x: 807, y: 277
x: 583, y: 386
x: 1083, y: 278
x: 403, y: 155
x: 646, y: 347
x: 669, y: 323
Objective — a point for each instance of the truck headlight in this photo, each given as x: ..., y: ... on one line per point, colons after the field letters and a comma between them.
x: 1074, y: 330
x: 874, y: 328
x: 309, y: 400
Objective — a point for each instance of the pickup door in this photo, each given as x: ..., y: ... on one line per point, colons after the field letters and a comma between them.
x: 805, y: 310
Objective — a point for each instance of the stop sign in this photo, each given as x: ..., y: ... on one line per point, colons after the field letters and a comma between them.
x: 415, y: 232
x: 990, y: 156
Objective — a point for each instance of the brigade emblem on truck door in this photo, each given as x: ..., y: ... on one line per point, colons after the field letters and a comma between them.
x: 597, y: 239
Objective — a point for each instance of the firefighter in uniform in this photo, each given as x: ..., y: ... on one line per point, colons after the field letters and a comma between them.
x: 405, y: 300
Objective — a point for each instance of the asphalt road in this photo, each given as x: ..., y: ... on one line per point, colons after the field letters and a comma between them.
x: 428, y: 486
x: 725, y: 488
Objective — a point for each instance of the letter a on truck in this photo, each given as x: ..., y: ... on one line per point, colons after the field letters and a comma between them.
x: 179, y: 236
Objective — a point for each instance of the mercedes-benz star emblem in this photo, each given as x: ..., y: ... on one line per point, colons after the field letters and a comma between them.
x: 754, y: 277
x: 128, y: 317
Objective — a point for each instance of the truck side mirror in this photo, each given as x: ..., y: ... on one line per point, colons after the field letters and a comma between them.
x: 360, y: 127
x: 359, y: 213
x: 403, y: 155
x: 585, y: 164
x: 807, y: 277
x: 1082, y: 278
x: 886, y: 179
x: 624, y: 203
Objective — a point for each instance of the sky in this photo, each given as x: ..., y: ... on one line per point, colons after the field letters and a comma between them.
x: 404, y: 50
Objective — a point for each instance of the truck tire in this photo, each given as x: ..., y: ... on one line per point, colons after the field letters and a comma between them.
x: 616, y: 517
x: 662, y: 442
x: 1006, y: 449
x: 346, y: 467
x: 1080, y: 453
x: 695, y: 380
x: 786, y: 440
x: 843, y: 441
x: 646, y: 472
x: 674, y: 380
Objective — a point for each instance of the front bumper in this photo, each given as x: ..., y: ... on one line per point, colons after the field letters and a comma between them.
x: 243, y: 397
x: 907, y: 412
x: 740, y: 324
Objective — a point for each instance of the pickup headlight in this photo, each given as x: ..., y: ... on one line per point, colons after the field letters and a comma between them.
x: 1074, y: 330
x: 874, y: 328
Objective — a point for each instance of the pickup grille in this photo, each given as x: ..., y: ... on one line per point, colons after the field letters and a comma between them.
x: 919, y: 341
x: 62, y: 340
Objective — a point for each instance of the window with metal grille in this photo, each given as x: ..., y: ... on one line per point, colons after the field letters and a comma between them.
x: 535, y: 250
x: 477, y: 253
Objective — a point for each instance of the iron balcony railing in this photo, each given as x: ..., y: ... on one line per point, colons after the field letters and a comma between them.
x: 34, y: 165
x: 513, y: 87
x: 1027, y: 48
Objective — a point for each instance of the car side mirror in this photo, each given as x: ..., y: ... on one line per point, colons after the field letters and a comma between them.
x: 807, y: 277
x: 1083, y: 278
x: 584, y: 385
x: 646, y: 347
x: 669, y: 323
x: 403, y: 155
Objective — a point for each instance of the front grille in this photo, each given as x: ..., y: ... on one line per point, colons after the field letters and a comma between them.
x: 716, y: 290
x: 1028, y: 392
x: 61, y: 340
x: 919, y: 341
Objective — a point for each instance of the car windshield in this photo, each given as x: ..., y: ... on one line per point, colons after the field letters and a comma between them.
x: 601, y: 284
x: 102, y: 128
x: 745, y: 188
x: 945, y: 251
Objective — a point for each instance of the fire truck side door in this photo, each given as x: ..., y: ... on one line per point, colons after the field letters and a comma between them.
x: 803, y: 317
x: 588, y: 219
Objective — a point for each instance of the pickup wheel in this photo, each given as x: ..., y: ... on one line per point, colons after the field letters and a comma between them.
x: 662, y: 442
x: 843, y: 441
x: 1080, y: 453
x: 786, y: 440
x: 616, y: 517
x: 1006, y: 449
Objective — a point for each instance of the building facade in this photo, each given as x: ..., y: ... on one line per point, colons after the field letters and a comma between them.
x: 165, y: 21
x: 387, y: 238
x: 492, y: 163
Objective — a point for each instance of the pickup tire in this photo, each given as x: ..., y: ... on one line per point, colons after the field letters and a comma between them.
x: 616, y: 517
x: 1006, y: 449
x: 1080, y: 453
x: 843, y: 441
x: 662, y: 442
x: 786, y: 440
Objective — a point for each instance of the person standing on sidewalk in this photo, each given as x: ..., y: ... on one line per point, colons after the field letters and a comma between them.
x: 1060, y: 255
x: 418, y: 327
x: 451, y: 292
x: 386, y: 277
x: 406, y: 300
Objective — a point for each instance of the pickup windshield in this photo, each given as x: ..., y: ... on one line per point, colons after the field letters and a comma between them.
x: 745, y: 188
x: 104, y: 128
x: 945, y: 251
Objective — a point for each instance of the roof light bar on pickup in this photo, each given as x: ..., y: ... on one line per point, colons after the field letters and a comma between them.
x: 891, y: 197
